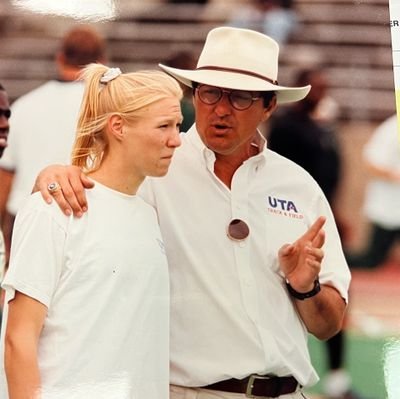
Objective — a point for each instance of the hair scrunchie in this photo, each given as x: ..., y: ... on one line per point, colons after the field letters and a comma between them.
x: 110, y: 75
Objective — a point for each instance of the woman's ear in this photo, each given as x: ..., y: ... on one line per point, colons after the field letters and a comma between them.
x: 115, y: 127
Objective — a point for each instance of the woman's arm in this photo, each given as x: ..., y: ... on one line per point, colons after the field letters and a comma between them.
x: 24, y: 325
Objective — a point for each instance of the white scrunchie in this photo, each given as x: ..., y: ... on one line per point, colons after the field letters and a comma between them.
x: 110, y: 75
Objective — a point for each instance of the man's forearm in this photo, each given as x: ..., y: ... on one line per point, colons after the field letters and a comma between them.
x: 323, y: 313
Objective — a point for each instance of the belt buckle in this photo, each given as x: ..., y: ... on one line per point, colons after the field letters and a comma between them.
x: 250, y: 385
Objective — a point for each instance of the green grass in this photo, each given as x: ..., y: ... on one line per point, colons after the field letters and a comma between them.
x: 366, y: 360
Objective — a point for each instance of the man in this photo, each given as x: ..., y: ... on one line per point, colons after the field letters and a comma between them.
x: 5, y: 114
x: 248, y: 273
x: 43, y: 122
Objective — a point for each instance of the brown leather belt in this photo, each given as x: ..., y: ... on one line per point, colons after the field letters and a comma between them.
x: 257, y: 386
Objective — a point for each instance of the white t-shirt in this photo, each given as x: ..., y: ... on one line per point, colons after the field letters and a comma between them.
x: 231, y: 314
x: 104, y: 279
x: 382, y: 197
x: 42, y: 131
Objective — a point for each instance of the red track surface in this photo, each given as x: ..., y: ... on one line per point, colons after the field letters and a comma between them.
x: 375, y: 300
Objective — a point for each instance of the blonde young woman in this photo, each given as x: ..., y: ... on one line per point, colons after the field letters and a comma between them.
x: 87, y: 300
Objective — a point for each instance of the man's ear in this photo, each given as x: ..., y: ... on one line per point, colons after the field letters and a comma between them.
x: 270, y: 109
x: 115, y: 127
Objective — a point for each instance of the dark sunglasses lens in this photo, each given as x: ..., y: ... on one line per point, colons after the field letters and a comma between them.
x: 238, y: 230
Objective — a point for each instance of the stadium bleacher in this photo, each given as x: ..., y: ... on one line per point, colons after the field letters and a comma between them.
x: 352, y: 39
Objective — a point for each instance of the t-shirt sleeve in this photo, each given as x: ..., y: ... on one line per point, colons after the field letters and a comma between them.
x: 36, y: 257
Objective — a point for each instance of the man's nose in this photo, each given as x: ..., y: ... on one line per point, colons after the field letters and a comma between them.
x: 223, y: 106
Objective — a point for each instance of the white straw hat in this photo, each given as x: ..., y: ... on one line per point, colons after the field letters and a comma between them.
x: 239, y: 59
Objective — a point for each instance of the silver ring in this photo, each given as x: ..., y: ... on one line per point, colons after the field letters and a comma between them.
x: 53, y: 187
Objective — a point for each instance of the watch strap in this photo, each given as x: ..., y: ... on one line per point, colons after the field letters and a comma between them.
x: 304, y: 295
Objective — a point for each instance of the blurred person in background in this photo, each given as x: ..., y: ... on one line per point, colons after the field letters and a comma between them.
x: 381, y: 156
x: 44, y: 122
x: 5, y: 114
x: 275, y: 18
x: 87, y: 300
x: 185, y: 60
x: 305, y: 134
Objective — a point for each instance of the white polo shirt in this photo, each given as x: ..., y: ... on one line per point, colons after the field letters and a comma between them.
x: 382, y: 197
x: 231, y: 314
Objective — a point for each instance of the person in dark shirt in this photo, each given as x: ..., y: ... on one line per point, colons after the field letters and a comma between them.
x: 298, y: 133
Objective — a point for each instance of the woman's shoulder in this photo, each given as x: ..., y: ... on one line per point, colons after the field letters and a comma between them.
x: 35, y: 205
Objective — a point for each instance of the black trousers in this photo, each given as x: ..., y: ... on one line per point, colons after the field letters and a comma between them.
x: 380, y: 242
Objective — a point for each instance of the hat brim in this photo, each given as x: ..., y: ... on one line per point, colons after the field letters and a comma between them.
x: 237, y: 81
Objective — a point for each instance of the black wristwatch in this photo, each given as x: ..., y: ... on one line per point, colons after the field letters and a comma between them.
x: 304, y: 295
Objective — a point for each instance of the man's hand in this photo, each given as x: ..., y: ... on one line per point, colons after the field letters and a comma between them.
x: 323, y: 313
x: 71, y: 195
x: 301, y: 261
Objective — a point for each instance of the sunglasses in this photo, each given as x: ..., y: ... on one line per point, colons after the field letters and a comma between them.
x: 5, y: 112
x: 238, y: 230
x: 239, y: 99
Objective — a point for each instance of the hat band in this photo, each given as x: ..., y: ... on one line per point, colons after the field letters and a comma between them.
x: 242, y: 71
